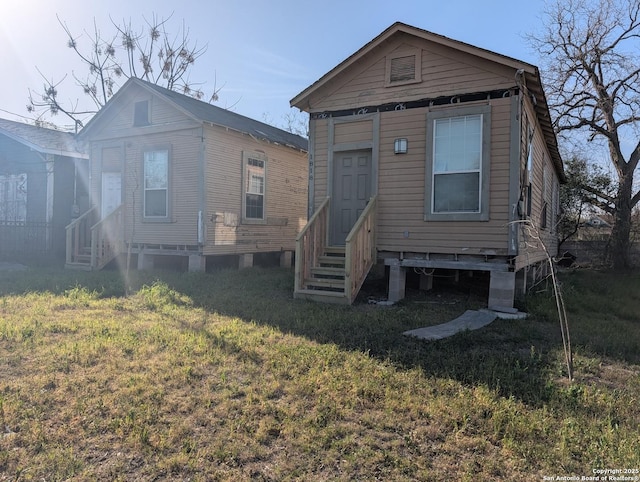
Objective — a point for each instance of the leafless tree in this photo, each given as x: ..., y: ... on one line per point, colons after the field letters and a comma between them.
x: 151, y: 53
x: 591, y: 70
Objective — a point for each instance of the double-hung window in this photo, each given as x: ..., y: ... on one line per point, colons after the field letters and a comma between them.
x: 254, y: 187
x: 156, y: 184
x: 457, y: 170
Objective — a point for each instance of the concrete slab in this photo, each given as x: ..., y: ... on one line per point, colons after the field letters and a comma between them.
x: 469, y: 320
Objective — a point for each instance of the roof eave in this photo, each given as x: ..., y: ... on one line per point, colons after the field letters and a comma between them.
x: 44, y: 150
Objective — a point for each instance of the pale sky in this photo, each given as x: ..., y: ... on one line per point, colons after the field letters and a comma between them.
x: 261, y: 52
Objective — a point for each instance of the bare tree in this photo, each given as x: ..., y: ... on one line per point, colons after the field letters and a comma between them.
x: 592, y: 78
x: 150, y: 53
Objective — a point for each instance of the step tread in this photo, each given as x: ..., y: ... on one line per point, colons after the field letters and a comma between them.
x: 334, y: 260
x: 328, y: 271
x: 325, y: 282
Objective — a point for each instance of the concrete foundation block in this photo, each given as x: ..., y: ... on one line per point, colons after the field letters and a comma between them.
x: 426, y: 282
x: 145, y: 261
x: 285, y: 259
x: 397, y: 283
x: 245, y: 260
x: 197, y: 263
x: 502, y: 288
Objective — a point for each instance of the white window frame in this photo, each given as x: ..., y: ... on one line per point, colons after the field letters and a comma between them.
x: 482, y: 214
x: 251, y: 173
x: 13, y: 198
x: 147, y: 190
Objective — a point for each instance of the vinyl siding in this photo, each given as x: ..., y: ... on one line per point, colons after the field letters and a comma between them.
x: 534, y: 239
x: 445, y: 71
x: 285, y: 195
x: 401, y: 185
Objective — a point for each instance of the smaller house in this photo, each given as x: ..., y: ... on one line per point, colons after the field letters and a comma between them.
x: 43, y: 186
x: 174, y: 179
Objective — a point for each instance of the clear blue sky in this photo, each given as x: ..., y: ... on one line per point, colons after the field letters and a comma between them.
x: 261, y: 52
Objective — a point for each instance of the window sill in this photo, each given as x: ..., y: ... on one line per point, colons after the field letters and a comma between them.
x: 457, y: 217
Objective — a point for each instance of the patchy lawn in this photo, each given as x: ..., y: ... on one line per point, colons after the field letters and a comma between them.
x: 224, y: 376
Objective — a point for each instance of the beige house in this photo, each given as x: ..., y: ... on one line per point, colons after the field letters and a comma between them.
x: 174, y: 178
x: 427, y: 154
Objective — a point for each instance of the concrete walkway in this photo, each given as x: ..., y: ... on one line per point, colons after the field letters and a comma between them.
x: 469, y: 320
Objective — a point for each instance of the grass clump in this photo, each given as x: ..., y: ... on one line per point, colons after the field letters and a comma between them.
x: 226, y: 377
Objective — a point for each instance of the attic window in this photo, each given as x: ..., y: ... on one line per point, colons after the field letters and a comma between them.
x: 141, y: 113
x: 403, y: 67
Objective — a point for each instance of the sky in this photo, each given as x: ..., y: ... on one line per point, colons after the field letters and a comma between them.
x: 260, y: 53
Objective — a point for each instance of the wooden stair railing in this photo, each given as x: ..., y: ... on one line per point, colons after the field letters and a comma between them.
x: 78, y: 242
x: 334, y: 274
x: 310, y: 244
x: 360, y: 250
x: 107, y: 239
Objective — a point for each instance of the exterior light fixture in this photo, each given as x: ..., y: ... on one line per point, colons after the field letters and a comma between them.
x: 400, y: 146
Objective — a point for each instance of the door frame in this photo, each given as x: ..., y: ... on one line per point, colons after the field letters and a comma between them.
x: 372, y: 145
x: 335, y: 232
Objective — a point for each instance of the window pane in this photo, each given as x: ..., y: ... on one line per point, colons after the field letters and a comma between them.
x: 456, y: 193
x: 155, y: 203
x: 156, y: 183
x: 457, y: 144
x: 156, y: 172
x: 254, y: 206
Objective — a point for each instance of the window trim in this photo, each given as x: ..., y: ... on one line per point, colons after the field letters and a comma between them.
x: 259, y: 156
x: 167, y: 217
x: 417, y: 53
x: 485, y: 164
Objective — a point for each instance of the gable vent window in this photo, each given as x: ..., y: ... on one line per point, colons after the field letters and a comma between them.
x: 403, y: 67
x: 141, y: 113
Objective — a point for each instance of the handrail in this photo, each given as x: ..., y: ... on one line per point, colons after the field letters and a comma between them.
x: 313, y: 219
x: 360, y: 250
x: 74, y: 237
x: 310, y: 244
x: 106, y: 238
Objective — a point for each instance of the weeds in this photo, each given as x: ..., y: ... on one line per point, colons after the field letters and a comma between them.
x: 193, y: 377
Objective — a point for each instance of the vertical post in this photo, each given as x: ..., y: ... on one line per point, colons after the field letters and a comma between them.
x: 285, y: 259
x: 502, y: 287
x: 245, y: 260
x: 397, y: 282
x: 197, y: 263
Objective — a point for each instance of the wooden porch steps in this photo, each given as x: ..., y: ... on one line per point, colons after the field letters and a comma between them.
x: 327, y: 281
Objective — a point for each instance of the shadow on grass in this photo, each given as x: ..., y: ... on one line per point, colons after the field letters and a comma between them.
x: 515, y: 358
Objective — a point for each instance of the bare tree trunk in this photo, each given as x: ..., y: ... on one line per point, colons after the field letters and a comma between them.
x: 620, y: 234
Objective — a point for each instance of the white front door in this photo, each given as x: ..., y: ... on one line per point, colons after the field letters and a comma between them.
x: 111, y: 192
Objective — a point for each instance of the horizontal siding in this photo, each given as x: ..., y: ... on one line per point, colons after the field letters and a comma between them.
x: 286, y: 195
x: 117, y: 120
x: 535, y: 239
x: 182, y: 227
x: 401, y: 187
x: 402, y: 191
x: 348, y: 132
x: 445, y: 72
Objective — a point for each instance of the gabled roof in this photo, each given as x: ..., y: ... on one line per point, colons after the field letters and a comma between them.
x: 530, y: 72
x: 211, y: 114
x: 46, y: 141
